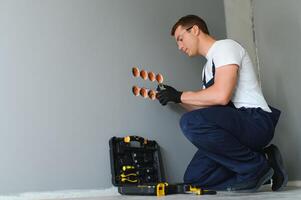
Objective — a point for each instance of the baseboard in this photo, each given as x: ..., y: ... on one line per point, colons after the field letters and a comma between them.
x: 64, y: 194
x: 68, y: 194
x: 294, y: 183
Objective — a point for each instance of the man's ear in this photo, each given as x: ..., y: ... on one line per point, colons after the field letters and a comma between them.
x: 195, y: 30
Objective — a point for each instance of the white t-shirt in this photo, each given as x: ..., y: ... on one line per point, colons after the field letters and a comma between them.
x: 247, y: 92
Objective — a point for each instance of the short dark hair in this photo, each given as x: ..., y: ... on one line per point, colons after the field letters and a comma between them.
x: 189, y: 21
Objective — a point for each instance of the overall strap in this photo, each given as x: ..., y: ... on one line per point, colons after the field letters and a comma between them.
x: 211, y: 82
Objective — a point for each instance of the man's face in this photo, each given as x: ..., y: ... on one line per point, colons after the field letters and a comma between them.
x: 186, y: 40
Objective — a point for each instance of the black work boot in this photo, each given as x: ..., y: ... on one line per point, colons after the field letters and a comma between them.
x: 280, y: 178
x: 253, y: 186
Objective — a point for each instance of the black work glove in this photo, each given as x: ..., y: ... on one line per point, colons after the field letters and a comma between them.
x: 168, y: 94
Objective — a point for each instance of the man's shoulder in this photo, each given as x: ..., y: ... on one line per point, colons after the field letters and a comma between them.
x: 228, y: 43
x: 227, y: 52
x: 227, y: 46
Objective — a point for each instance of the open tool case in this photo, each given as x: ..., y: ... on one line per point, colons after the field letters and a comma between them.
x: 135, y: 161
x: 137, y: 169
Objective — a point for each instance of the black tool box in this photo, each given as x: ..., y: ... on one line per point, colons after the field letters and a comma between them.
x: 137, y: 169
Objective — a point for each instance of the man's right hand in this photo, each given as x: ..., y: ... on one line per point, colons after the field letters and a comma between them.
x: 168, y: 94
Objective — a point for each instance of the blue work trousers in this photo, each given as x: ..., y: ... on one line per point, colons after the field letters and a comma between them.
x: 229, y: 142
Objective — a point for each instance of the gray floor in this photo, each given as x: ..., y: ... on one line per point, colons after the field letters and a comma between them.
x: 264, y: 193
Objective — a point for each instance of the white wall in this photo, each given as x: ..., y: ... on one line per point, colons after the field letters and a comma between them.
x: 65, y: 86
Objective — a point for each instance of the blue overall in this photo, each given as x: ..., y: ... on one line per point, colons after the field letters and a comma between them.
x: 229, y: 142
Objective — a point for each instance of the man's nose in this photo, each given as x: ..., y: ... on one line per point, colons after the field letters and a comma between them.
x: 180, y: 47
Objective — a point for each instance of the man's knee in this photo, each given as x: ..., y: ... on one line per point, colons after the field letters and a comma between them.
x: 195, y: 178
x: 191, y: 121
x: 202, y: 116
x: 184, y: 121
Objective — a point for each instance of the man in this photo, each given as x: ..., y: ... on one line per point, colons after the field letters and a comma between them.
x: 229, y: 120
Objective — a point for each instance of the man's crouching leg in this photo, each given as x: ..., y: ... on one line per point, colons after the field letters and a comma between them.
x: 241, y: 168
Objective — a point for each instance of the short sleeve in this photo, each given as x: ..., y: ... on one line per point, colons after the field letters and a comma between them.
x: 228, y: 52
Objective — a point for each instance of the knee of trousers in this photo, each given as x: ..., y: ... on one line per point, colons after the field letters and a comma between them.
x: 191, y: 122
x: 188, y: 177
x: 192, y: 175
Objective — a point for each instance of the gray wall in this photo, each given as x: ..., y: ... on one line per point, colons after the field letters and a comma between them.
x: 238, y: 17
x: 65, y: 86
x: 278, y: 30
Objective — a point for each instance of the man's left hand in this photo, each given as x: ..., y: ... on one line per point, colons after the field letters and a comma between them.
x: 169, y: 94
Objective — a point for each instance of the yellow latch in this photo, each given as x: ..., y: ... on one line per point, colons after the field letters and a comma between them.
x: 161, y: 189
x: 127, y: 139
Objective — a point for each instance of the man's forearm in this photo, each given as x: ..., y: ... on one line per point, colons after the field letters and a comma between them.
x: 220, y: 93
x: 204, y: 98
x: 190, y: 107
